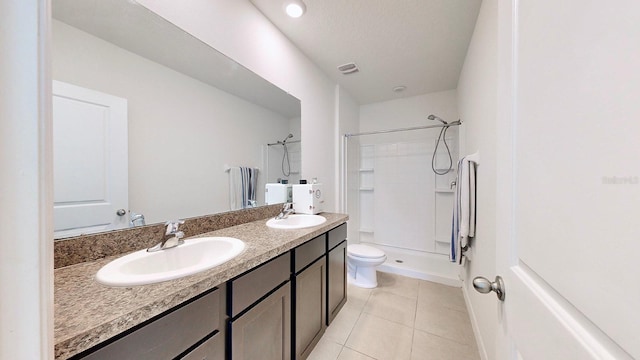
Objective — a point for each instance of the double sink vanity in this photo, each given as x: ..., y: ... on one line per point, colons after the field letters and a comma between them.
x: 271, y: 298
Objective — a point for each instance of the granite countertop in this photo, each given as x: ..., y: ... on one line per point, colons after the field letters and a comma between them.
x: 87, y: 313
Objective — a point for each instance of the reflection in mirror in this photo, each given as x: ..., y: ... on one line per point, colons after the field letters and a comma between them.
x: 191, y: 113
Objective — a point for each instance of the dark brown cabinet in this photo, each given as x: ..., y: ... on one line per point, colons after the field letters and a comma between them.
x: 264, y: 331
x: 336, y: 271
x: 310, y: 267
x: 172, y: 334
x: 259, y: 305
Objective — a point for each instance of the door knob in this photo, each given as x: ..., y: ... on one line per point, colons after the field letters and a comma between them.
x: 484, y: 286
x: 121, y: 212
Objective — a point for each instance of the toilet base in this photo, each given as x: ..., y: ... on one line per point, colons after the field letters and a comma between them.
x: 362, y: 276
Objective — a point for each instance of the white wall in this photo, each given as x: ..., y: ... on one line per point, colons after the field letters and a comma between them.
x: 26, y: 190
x: 181, y: 131
x: 477, y: 104
x: 240, y: 31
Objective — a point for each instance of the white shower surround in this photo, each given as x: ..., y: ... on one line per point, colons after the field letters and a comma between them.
x: 402, y: 207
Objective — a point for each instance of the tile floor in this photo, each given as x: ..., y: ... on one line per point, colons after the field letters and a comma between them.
x: 403, y: 318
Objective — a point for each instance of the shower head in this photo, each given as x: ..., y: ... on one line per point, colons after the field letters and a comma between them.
x: 287, y: 138
x: 434, y: 117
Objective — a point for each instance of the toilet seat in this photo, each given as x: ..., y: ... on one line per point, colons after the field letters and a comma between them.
x: 364, y: 251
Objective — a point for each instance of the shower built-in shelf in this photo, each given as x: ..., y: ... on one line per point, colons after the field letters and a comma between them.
x: 445, y: 190
x: 370, y: 231
x: 366, y: 189
x: 366, y: 170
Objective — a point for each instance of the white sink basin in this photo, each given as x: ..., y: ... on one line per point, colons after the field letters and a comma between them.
x: 195, y: 255
x: 296, y: 221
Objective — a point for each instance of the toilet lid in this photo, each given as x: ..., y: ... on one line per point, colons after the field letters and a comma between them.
x: 364, y: 251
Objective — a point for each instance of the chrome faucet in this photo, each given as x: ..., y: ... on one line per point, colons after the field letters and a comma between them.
x: 287, y: 209
x: 172, y: 237
x: 136, y: 219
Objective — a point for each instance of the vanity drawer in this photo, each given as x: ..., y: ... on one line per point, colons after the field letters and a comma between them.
x: 169, y: 335
x: 336, y: 236
x: 253, y: 285
x: 308, y: 252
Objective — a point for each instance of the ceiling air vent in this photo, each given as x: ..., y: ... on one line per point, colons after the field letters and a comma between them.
x: 349, y: 68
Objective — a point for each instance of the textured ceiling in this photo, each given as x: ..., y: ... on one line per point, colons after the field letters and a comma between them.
x: 420, y: 44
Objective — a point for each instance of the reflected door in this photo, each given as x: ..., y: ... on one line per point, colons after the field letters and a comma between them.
x: 89, y: 161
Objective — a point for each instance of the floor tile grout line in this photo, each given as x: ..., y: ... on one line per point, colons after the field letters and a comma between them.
x: 356, y: 322
x: 443, y: 337
x: 392, y: 321
x: 359, y: 352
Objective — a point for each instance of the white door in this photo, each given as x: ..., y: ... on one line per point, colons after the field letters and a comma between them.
x: 569, y: 169
x: 89, y: 161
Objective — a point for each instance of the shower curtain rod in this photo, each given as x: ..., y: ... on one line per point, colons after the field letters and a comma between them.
x: 455, y: 123
x: 288, y: 142
x: 345, y: 139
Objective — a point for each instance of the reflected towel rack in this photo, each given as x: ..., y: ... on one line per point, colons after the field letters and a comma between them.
x: 227, y: 168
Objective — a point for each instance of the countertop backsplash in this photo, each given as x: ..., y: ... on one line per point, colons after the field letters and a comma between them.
x: 83, y: 248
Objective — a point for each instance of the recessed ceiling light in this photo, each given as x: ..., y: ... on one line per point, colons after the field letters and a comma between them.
x: 294, y: 8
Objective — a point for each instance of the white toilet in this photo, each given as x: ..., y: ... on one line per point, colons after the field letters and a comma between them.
x: 361, y: 265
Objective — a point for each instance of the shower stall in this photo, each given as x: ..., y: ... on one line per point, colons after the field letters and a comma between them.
x: 398, y: 188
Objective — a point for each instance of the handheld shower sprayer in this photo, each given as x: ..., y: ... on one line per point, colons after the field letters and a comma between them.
x: 443, y: 137
x: 434, y: 117
x: 286, y: 170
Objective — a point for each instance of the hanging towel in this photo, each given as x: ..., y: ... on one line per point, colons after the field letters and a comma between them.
x: 464, y: 213
x: 243, y: 182
x: 249, y: 184
x: 235, y: 188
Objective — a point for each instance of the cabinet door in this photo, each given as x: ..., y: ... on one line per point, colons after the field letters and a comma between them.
x: 310, y: 290
x: 212, y: 349
x: 337, y: 280
x: 264, y: 332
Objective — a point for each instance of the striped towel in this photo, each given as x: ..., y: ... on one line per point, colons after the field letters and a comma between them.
x: 243, y: 182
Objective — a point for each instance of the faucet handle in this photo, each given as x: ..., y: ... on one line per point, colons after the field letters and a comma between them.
x: 172, y: 226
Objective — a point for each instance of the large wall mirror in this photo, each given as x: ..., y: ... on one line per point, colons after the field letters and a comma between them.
x: 191, y: 116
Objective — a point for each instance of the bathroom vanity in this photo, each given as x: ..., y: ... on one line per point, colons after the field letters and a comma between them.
x: 274, y: 301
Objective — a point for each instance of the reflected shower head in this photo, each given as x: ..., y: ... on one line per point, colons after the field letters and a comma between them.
x: 434, y: 117
x: 287, y: 138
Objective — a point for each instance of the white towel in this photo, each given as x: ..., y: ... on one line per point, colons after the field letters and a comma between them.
x: 464, y: 213
x: 235, y: 188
